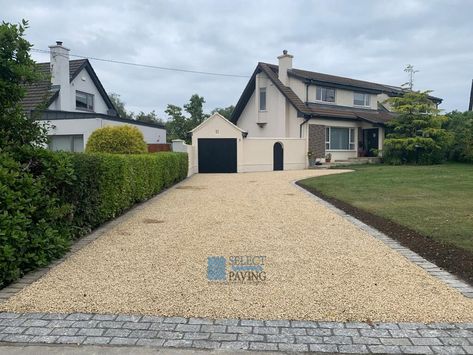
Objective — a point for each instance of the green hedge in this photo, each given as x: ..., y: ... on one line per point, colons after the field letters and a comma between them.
x: 51, y: 198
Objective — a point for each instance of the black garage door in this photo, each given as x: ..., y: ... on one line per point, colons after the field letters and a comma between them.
x: 217, y: 155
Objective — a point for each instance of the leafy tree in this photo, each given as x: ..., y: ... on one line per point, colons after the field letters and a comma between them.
x: 177, y: 125
x: 17, y: 70
x: 151, y: 117
x: 195, y: 108
x: 416, y: 133
x: 460, y: 124
x: 120, y: 106
x: 224, y: 111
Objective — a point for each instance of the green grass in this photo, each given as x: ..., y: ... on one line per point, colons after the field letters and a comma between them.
x: 434, y: 200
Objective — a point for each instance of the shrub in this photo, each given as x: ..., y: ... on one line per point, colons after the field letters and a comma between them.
x: 117, y: 139
x: 460, y: 124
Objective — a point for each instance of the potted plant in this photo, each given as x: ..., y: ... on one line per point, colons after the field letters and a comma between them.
x: 312, y: 158
x: 328, y: 158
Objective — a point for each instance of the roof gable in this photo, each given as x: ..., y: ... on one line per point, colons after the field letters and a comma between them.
x: 214, y: 117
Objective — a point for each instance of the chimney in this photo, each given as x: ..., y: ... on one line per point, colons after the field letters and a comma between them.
x: 60, y: 74
x: 285, y: 63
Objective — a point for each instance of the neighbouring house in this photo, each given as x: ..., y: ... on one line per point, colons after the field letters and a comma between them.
x: 470, y: 106
x: 285, y: 115
x: 74, y: 103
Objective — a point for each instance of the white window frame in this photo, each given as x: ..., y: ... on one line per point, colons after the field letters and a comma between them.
x: 321, y: 95
x: 87, y: 96
x: 263, y: 90
x: 71, y: 143
x: 351, y: 139
x: 366, y: 99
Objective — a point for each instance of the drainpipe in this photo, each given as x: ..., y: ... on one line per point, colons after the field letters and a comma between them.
x: 306, y: 119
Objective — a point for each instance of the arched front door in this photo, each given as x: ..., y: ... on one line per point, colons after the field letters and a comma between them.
x: 278, y: 156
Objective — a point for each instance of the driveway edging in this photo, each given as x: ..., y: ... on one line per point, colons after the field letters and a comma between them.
x: 432, y: 269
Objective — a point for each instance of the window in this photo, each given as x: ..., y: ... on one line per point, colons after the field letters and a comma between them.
x: 324, y: 94
x: 339, y: 138
x: 67, y: 143
x: 84, y: 101
x: 360, y: 99
x: 262, y: 99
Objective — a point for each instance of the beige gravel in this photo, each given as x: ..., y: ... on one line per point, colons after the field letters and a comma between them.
x: 319, y: 266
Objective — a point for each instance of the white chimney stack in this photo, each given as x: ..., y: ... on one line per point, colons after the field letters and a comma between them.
x: 60, y: 74
x: 285, y: 63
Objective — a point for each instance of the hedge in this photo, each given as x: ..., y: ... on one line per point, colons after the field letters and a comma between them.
x: 53, y: 198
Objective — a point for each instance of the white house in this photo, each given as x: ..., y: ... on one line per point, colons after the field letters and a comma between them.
x: 284, y: 113
x: 74, y: 103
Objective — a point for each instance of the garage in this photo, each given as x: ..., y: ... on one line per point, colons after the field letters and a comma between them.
x: 217, y: 155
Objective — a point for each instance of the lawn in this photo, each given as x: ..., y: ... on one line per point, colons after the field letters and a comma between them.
x: 436, y: 200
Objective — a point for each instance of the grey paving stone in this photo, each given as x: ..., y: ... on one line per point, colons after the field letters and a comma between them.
x: 367, y: 340
x: 432, y: 333
x: 85, y: 324
x: 353, y: 349
x: 404, y: 325
x: 465, y: 325
x: 386, y: 326
x: 281, y: 338
x: 448, y: 350
x: 128, y: 318
x: 196, y: 336
x: 200, y: 321
x: 46, y: 339
x: 93, y: 332
x: 395, y: 341
x: 33, y: 315
x: 426, y: 341
x: 293, y: 347
x: 137, y: 325
x: 320, y: 331
x: 162, y: 326
x: 60, y: 323
x: 178, y: 343
x: 110, y: 324
x: 97, y: 340
x: 460, y: 333
x: 123, y: 341
x: 79, y: 316
x: 223, y: 336
x: 70, y: 339
x: 277, y: 323
x: 64, y: 331
x: 207, y: 328
x: 304, y: 324
x: 205, y: 344
x: 414, y: 349
x: 263, y: 346
x: 384, y: 349
x: 405, y: 333
x: 54, y: 316
x: 234, y: 345
x: 152, y: 319
x: 35, y: 323
x: 323, y: 348
x: 294, y: 331
x: 121, y: 333
x: 14, y: 330
x: 311, y: 339
x: 188, y: 327
x: 227, y: 321
x: 150, y: 342
x: 347, y: 332
x: 18, y: 338
x: 104, y: 317
x: 331, y: 325
x: 37, y: 331
x: 143, y: 334
x: 441, y: 326
x: 12, y: 322
x: 376, y: 332
x: 265, y: 330
x: 9, y: 315
x: 250, y: 337
x: 239, y: 329
x: 357, y: 325
x: 338, y: 340
x: 455, y: 341
x: 180, y: 320
x: 252, y: 323
x: 468, y: 349
x: 170, y: 335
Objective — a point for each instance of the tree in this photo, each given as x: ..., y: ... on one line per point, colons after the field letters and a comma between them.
x: 416, y: 133
x: 196, y: 110
x: 120, y: 106
x: 224, y: 111
x: 151, y: 117
x: 17, y: 70
x: 177, y: 125
x: 460, y: 124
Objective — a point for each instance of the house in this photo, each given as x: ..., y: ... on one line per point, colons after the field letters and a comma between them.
x: 470, y: 106
x: 286, y: 114
x: 73, y: 103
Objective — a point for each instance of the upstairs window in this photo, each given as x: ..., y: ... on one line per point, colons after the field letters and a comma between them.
x: 360, y: 99
x: 324, y: 94
x: 84, y: 101
x: 262, y: 99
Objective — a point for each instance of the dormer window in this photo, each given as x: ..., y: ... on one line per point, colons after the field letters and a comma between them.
x: 84, y: 101
x: 361, y: 99
x: 324, y: 94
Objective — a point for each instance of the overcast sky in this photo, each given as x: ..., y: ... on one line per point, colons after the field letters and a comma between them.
x: 368, y: 40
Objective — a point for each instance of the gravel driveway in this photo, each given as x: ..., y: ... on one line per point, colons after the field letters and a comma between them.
x: 319, y: 266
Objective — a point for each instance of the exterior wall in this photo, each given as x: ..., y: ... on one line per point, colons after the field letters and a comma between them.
x: 85, y: 127
x: 82, y: 82
x: 316, y: 140
x: 342, y: 98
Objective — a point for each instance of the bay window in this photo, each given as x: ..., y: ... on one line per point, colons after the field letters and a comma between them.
x: 339, y: 138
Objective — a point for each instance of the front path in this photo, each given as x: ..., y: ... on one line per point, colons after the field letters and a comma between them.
x: 319, y: 266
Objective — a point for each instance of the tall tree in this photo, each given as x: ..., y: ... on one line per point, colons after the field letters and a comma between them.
x: 224, y: 111
x: 177, y: 125
x: 120, y: 106
x: 195, y: 108
x: 150, y: 117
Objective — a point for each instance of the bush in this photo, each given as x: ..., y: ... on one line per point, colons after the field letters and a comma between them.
x: 460, y: 124
x: 117, y: 139
x: 418, y: 150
